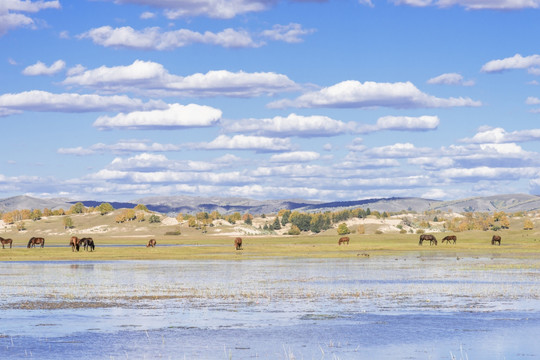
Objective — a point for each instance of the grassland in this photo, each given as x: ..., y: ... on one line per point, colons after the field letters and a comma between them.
x: 127, y: 242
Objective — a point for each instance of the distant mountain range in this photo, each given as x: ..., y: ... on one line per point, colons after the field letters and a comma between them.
x: 192, y: 204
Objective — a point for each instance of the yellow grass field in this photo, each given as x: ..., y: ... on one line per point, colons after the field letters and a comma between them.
x: 127, y: 242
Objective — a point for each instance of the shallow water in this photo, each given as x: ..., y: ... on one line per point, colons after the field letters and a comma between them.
x: 415, y: 307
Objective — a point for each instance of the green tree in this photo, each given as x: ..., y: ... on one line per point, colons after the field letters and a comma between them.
x: 276, y: 225
x: 154, y: 219
x: 78, y: 208
x: 302, y: 221
x: 105, y: 208
x: 36, y: 214
x: 343, y: 229
x: 68, y: 222
x: 285, y: 217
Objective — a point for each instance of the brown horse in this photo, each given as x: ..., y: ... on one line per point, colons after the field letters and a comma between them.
x: 36, y: 241
x: 5, y: 242
x: 449, y: 238
x: 238, y: 243
x: 496, y: 238
x: 75, y: 243
x: 88, y: 244
x: 343, y: 240
x: 151, y: 243
x: 427, y: 237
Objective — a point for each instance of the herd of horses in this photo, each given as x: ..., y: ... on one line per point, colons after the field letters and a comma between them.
x: 451, y: 239
x: 88, y: 243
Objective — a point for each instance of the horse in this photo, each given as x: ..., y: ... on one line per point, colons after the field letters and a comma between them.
x: 238, y: 243
x: 496, y: 238
x: 88, y: 244
x: 151, y: 242
x: 449, y: 238
x: 5, y: 242
x: 36, y: 241
x: 426, y: 237
x: 75, y: 243
x: 343, y: 240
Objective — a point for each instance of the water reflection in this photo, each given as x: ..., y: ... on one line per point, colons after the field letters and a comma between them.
x: 413, y: 308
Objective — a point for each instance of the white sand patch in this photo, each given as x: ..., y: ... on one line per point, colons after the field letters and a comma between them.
x: 94, y: 230
x: 169, y: 221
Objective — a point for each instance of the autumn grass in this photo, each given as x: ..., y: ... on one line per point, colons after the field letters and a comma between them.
x: 517, y: 245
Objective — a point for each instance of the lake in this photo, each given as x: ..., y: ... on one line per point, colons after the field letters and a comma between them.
x: 418, y: 306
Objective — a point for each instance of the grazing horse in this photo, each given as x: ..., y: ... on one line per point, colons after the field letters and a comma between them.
x: 5, y: 242
x: 75, y: 243
x: 151, y: 242
x: 449, y: 238
x: 496, y: 238
x: 343, y: 240
x: 88, y: 244
x: 427, y: 237
x: 238, y: 243
x: 36, y: 241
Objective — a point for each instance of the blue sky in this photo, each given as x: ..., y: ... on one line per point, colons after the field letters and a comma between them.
x: 269, y: 99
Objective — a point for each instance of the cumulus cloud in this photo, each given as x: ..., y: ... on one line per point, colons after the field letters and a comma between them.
x: 36, y: 100
x: 152, y: 78
x: 175, y: 116
x: 450, y: 79
x: 354, y: 94
x: 40, y: 68
x: 500, y: 135
x: 243, y: 142
x: 291, y: 33
x: 474, y: 4
x: 122, y: 146
x: 292, y: 125
x: 295, y: 156
x: 154, y: 39
x: 403, y: 123
x: 11, y: 16
x: 398, y: 150
x: 515, y: 62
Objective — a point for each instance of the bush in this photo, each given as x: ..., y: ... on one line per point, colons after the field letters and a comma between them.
x: 294, y: 230
x: 154, y: 219
x: 419, y: 231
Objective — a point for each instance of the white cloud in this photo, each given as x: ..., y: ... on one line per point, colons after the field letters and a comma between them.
x: 532, y: 100
x: 500, y: 135
x: 291, y: 33
x: 354, y: 94
x: 243, y: 142
x: 295, y: 156
x: 515, y: 62
x: 450, y: 79
x: 153, y: 38
x: 474, y: 4
x: 36, y: 100
x: 152, y: 78
x: 398, y: 150
x: 292, y: 125
x: 11, y: 17
x: 40, y: 68
x: 210, y: 8
x: 176, y: 116
x: 147, y: 15
x: 403, y: 123
x: 122, y: 146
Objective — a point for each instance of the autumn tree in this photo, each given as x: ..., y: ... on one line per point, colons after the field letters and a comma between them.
x: 105, y: 208
x: 36, y: 214
x: 528, y: 225
x: 343, y: 229
x: 68, y: 222
x: 77, y: 208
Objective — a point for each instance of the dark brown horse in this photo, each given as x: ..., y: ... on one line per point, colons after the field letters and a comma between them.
x: 449, y: 238
x: 88, y: 244
x: 36, y: 241
x: 427, y: 237
x: 496, y: 238
x: 151, y: 243
x: 5, y: 242
x: 238, y: 243
x: 75, y: 243
x: 343, y: 240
